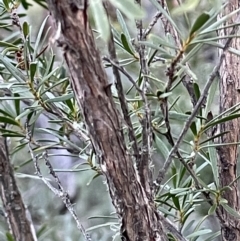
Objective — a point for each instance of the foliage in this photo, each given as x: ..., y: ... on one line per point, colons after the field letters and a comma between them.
x: 34, y: 83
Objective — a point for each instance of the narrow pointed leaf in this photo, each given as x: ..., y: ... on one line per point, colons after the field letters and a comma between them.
x: 130, y: 8
x: 222, y: 120
x: 33, y: 68
x: 8, y: 120
x: 101, y: 19
x: 231, y: 211
x: 25, y: 28
x: 214, y: 164
x: 166, y: 15
x: 200, y: 21
x: 126, y: 45
x: 39, y: 36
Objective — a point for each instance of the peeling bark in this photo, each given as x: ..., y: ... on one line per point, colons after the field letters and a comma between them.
x: 228, y: 155
x: 15, y: 211
x: 137, y: 213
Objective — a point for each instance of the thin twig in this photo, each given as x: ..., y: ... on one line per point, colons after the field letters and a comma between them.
x: 212, y: 76
x: 152, y: 23
x: 120, y: 68
x: 171, y: 229
x: 121, y: 95
x: 143, y: 165
x: 60, y: 192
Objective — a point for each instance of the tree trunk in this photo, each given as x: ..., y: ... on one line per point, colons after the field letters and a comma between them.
x: 228, y: 155
x: 136, y: 210
x: 15, y: 211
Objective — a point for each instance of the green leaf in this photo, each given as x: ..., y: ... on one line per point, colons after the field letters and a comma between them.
x: 231, y: 211
x: 6, y: 44
x: 27, y: 111
x: 16, y: 98
x: 179, y: 190
x: 166, y: 15
x: 197, y: 91
x: 25, y: 29
x: 8, y: 120
x: 212, y: 209
x: 235, y: 180
x: 126, y: 45
x: 166, y: 212
x: 222, y: 120
x: 160, y: 41
x: 47, y: 77
x: 101, y: 226
x: 34, y: 117
x: 220, y: 144
x: 210, y: 96
x: 41, y: 230
x: 199, y: 233
x: 7, y: 131
x: 50, y: 64
x: 123, y: 25
x: 100, y: 18
x: 70, y: 104
x: 176, y: 202
x: 161, y: 147
x: 17, y: 104
x: 13, y: 70
x: 219, y: 22
x: 54, y: 133
x: 200, y: 21
x: 191, y: 54
x: 42, y: 3
x: 207, y: 40
x: 39, y: 36
x: 18, y: 148
x: 6, y: 4
x: 5, y: 113
x: 33, y: 68
x: 213, y: 236
x: 94, y: 177
x: 189, y: 225
x: 214, y: 164
x: 193, y: 128
x: 229, y: 111
x: 164, y: 95
x: 9, y: 235
x: 185, y: 7
x: 129, y: 8
x: 157, y: 47
x: 213, y: 137
x: 108, y: 217
x: 60, y: 98
x: 71, y: 170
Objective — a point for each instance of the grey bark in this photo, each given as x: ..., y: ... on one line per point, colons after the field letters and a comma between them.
x: 228, y: 155
x: 14, y: 209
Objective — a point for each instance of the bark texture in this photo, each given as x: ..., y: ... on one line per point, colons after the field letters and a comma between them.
x: 228, y: 155
x: 138, y: 215
x: 15, y: 211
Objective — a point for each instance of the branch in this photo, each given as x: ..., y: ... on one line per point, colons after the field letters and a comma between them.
x: 136, y: 211
x: 60, y: 192
x: 188, y: 123
x: 15, y: 211
x: 171, y: 229
x: 121, y: 95
x: 120, y: 68
x: 151, y: 25
x: 143, y: 165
